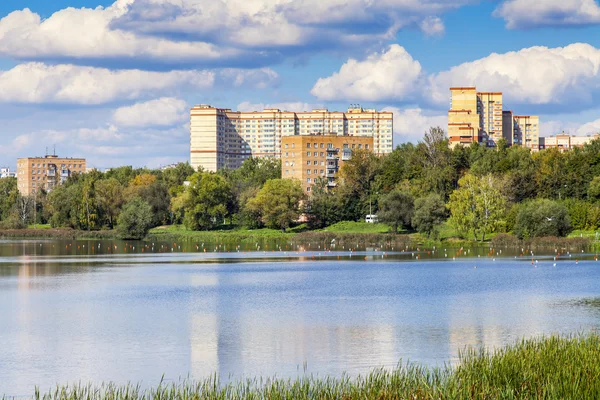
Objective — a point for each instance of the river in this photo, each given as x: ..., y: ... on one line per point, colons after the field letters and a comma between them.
x: 93, y: 311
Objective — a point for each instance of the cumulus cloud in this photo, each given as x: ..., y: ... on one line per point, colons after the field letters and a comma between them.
x: 410, y: 124
x: 390, y: 75
x: 36, y: 82
x: 527, y: 14
x: 166, y: 111
x: 562, y: 77
x: 566, y: 76
x: 199, y: 32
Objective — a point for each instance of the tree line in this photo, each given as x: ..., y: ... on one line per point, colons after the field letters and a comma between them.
x: 417, y: 187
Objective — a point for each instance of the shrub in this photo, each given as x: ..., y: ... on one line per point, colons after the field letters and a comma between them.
x: 542, y: 217
x: 135, y: 220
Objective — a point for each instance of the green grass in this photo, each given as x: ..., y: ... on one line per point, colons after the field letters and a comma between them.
x: 39, y: 226
x: 584, y: 234
x: 545, y: 368
x: 357, y: 227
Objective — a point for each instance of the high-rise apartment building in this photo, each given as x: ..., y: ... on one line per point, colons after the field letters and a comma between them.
x: 479, y: 117
x: 526, y: 131
x: 318, y: 156
x: 37, y: 173
x: 222, y: 138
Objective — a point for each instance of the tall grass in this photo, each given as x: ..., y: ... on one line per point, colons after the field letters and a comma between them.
x: 545, y: 368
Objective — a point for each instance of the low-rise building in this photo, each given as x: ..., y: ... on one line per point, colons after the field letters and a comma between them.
x: 318, y: 156
x: 565, y: 142
x: 37, y: 173
x: 6, y: 173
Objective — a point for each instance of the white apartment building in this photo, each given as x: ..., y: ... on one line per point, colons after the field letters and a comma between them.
x: 222, y: 138
x: 5, y: 173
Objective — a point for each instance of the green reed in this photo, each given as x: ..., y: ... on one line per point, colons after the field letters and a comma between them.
x: 545, y: 368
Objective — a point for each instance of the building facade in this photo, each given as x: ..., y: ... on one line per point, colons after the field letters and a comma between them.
x: 479, y: 117
x: 222, y: 138
x: 565, y: 142
x: 6, y: 173
x: 319, y: 156
x: 37, y: 173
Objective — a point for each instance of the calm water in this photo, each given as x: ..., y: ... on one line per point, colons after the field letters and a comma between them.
x: 76, y: 311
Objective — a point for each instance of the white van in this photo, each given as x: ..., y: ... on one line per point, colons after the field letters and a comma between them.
x: 371, y: 219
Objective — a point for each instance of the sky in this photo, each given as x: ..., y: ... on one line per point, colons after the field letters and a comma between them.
x: 113, y: 80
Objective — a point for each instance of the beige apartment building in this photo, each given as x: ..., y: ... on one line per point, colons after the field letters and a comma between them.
x: 479, y: 117
x: 37, y: 173
x: 565, y: 142
x: 318, y: 156
x: 222, y: 138
x: 526, y: 131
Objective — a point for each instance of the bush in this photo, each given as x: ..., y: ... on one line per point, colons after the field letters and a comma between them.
x: 135, y: 219
x: 542, y: 217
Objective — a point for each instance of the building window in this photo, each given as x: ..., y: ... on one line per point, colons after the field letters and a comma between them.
x: 316, y: 162
x: 308, y: 171
x: 308, y: 154
x: 307, y: 162
x: 322, y: 172
x: 287, y: 171
x: 360, y: 146
x: 367, y: 146
x: 293, y: 145
x: 308, y: 189
x: 316, y: 153
x: 316, y: 172
x: 286, y: 146
x: 346, y: 146
x: 322, y: 145
x: 308, y: 145
x: 353, y: 146
x: 322, y: 154
x: 307, y: 180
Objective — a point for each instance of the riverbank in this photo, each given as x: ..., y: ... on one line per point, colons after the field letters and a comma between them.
x: 345, y: 234
x: 552, y: 368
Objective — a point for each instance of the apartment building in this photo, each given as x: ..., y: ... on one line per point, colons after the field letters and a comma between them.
x: 222, y: 138
x: 479, y: 117
x: 526, y: 131
x: 319, y: 156
x: 37, y: 173
x: 6, y: 173
x: 565, y: 142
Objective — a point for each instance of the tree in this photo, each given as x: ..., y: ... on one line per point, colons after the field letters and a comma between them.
x: 208, y: 201
x: 396, y: 209
x: 477, y: 206
x: 542, y: 217
x: 8, y: 196
x: 24, y: 209
x: 430, y: 212
x: 322, y: 207
x: 157, y: 195
x: 594, y: 189
x: 109, y: 194
x: 174, y: 177
x: 135, y: 219
x: 278, y: 203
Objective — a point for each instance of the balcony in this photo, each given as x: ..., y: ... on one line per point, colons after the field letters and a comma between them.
x: 331, y: 173
x: 51, y: 173
x: 331, y: 184
x: 65, y: 173
x: 346, y: 155
x: 331, y: 156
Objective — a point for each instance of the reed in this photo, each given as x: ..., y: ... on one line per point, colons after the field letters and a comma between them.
x: 552, y: 367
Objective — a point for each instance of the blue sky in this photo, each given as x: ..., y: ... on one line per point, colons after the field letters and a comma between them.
x: 113, y: 80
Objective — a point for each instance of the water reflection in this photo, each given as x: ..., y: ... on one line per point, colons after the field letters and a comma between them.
x: 126, y: 317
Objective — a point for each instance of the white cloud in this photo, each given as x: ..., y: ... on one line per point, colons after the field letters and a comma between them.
x: 562, y: 77
x: 228, y: 32
x: 536, y: 75
x: 166, y: 111
x: 526, y: 14
x: 286, y: 106
x: 36, y: 82
x: 390, y: 75
x: 411, y: 124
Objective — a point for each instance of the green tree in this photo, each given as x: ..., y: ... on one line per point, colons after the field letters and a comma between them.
x: 174, y: 177
x: 322, y: 208
x: 396, y: 209
x: 594, y: 189
x: 542, y: 217
x: 8, y: 196
x: 109, y: 195
x: 208, y: 201
x: 135, y: 220
x: 477, y: 206
x: 429, y: 214
x: 278, y: 203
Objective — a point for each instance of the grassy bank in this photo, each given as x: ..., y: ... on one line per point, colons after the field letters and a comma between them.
x: 546, y: 368
x: 56, y: 233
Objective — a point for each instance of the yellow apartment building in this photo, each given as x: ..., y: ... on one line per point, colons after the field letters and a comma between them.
x: 222, y: 138
x: 37, y: 173
x: 526, y: 131
x: 479, y: 117
x: 318, y: 156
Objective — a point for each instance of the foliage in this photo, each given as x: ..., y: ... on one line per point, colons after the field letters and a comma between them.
x: 322, y: 207
x: 429, y: 214
x: 278, y: 203
x: 396, y: 209
x: 208, y: 200
x: 135, y: 220
x: 540, y: 218
x: 8, y: 196
x: 553, y: 367
x: 477, y: 206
